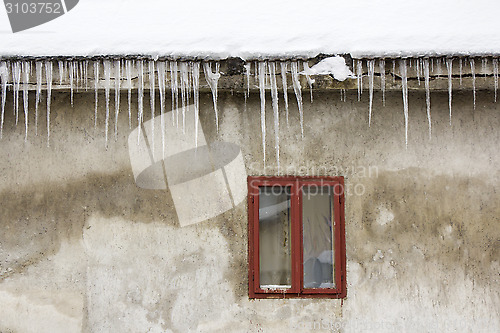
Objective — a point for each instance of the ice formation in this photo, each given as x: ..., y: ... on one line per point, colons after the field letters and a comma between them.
x: 274, y: 96
x: 427, y: 94
x: 262, y: 90
x: 371, y: 72
x: 404, y: 86
x: 183, y: 78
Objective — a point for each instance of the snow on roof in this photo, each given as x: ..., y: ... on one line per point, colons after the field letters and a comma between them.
x: 262, y: 29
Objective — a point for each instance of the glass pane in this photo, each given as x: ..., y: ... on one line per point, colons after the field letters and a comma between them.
x: 318, y: 240
x: 274, y: 237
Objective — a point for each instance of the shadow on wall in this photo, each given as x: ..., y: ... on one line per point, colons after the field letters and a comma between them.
x: 42, y: 216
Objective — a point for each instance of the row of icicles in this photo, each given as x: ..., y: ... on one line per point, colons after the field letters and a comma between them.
x: 183, y: 79
x: 422, y: 67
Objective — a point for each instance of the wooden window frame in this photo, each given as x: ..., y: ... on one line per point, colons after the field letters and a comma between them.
x: 296, y: 290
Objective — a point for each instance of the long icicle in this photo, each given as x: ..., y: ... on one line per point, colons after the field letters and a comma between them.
x: 174, y: 87
x: 128, y: 69
x: 495, y: 75
x: 285, y: 88
x: 195, y: 70
x: 16, y: 78
x: 449, y: 67
x: 161, y: 88
x: 307, y: 70
x: 262, y: 89
x: 371, y: 73
x: 60, y: 64
x: 86, y: 74
x: 71, y: 79
x: 381, y: 65
x: 96, y: 89
x: 26, y: 68
x: 140, y: 98
x: 38, y: 68
x: 298, y: 94
x: 183, y: 69
x: 473, y: 71
x: 274, y: 96
x: 359, y: 76
x: 460, y: 70
x: 48, y: 76
x: 152, y: 66
x: 107, y: 84
x: 212, y: 80
x: 404, y: 87
x: 117, y: 94
x: 4, y: 74
x: 427, y: 94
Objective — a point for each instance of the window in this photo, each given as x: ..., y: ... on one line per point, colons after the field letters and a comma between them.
x: 296, y: 245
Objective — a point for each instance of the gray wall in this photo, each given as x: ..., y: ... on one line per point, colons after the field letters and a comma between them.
x: 84, y: 249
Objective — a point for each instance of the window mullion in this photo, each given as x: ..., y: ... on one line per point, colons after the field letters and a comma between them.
x: 296, y: 239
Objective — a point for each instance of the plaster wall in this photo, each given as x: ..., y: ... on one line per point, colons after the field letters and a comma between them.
x: 83, y: 249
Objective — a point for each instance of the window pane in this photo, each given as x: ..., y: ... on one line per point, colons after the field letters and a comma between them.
x: 274, y: 237
x: 317, y: 217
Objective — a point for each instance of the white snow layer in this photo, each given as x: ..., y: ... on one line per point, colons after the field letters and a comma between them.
x: 262, y: 28
x: 335, y: 66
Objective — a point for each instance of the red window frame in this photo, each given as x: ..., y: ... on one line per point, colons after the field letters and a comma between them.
x: 296, y: 290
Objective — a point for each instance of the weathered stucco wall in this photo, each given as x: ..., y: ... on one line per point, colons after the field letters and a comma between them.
x: 84, y: 249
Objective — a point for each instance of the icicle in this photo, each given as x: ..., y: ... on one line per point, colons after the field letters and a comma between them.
x: 212, y: 80
x: 484, y: 63
x: 274, y: 96
x: 248, y: 68
x: 449, y: 67
x: 26, y: 68
x: 48, y: 76
x: 285, y: 87
x: 404, y: 87
x: 298, y: 94
x: 174, y: 87
x: 381, y: 65
x: 307, y: 70
x: 140, y: 98
x: 96, y: 88
x: 107, y: 84
x: 86, y: 74
x: 262, y: 89
x: 161, y: 88
x: 417, y: 68
x: 60, y: 64
x: 78, y: 66
x: 427, y: 94
x: 438, y: 63
x: 183, y: 69
x: 16, y: 78
x: 4, y: 74
x: 393, y: 70
x: 460, y: 70
x: 371, y: 72
x: 128, y: 69
x: 195, y: 70
x: 117, y: 94
x: 495, y: 75
x: 473, y: 71
x: 71, y: 79
x: 152, y: 66
x: 359, y: 76
x: 38, y: 67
